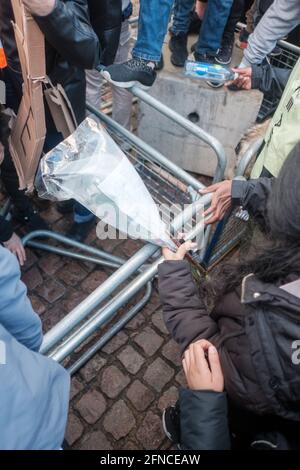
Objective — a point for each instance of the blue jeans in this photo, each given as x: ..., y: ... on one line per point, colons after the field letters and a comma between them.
x: 213, y: 24
x: 153, y: 25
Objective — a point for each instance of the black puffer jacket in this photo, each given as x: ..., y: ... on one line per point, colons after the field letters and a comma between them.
x: 203, y: 420
x: 72, y: 44
x: 254, y: 327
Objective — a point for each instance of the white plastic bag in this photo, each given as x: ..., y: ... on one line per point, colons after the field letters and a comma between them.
x: 90, y: 167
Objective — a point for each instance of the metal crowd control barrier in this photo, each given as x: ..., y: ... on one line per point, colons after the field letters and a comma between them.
x: 168, y: 184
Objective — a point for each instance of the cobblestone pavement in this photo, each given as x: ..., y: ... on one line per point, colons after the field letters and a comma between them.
x: 118, y: 396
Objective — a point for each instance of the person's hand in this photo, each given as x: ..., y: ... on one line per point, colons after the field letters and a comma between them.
x: 39, y: 8
x: 14, y: 244
x: 180, y: 253
x: 221, y: 201
x: 203, y: 373
x: 244, y: 79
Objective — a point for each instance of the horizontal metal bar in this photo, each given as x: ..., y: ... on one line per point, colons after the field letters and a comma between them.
x: 78, y: 256
x: 62, y: 328
x: 87, y: 355
x: 104, y: 315
x: 154, y: 154
x: 96, y: 297
x: 252, y: 150
x: 68, y: 241
x: 188, y: 126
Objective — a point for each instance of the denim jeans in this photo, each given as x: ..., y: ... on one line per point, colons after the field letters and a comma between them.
x: 153, y: 24
x: 213, y: 24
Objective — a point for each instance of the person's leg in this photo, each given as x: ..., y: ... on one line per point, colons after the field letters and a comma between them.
x: 122, y: 99
x: 250, y: 17
x: 182, y: 16
x: 212, y: 28
x: 24, y: 211
x: 224, y: 54
x: 93, y: 88
x: 179, y: 31
x: 153, y: 24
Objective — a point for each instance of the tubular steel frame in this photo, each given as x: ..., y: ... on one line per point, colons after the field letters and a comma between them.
x: 91, y: 314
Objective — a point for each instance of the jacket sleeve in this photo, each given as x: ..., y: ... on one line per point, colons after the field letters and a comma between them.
x: 16, y: 313
x: 270, y: 79
x: 6, y: 230
x: 184, y: 312
x: 281, y: 18
x: 203, y: 420
x: 67, y: 28
x: 106, y: 19
x: 253, y: 196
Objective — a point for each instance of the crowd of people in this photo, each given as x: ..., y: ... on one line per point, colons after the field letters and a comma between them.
x: 236, y: 355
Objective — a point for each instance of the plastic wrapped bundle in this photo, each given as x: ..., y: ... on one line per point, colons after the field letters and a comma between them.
x: 90, y: 167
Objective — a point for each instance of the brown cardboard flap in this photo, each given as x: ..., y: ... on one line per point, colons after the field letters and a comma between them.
x: 28, y: 136
x: 29, y: 130
x: 61, y: 110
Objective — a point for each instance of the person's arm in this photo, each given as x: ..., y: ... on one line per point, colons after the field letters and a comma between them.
x: 106, y: 20
x: 253, y: 195
x: 67, y: 28
x: 266, y: 78
x: 280, y: 18
x: 203, y: 405
x: 16, y: 313
x: 184, y: 312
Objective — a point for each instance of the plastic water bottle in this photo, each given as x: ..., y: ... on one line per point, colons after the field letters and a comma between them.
x: 211, y: 72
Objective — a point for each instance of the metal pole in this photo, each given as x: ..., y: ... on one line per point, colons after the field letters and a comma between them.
x: 71, y: 254
x: 87, y: 355
x: 155, y: 155
x: 104, y: 315
x: 253, y: 149
x: 96, y: 297
x: 62, y: 328
x: 189, y: 126
x: 68, y: 241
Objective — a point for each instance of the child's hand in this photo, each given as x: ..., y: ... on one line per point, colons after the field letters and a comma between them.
x: 180, y: 253
x: 203, y: 373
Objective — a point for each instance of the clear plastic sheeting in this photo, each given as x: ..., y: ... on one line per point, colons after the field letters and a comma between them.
x: 90, y: 167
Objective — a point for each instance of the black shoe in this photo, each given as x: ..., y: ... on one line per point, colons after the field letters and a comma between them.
x: 204, y: 58
x: 130, y: 73
x: 31, y: 220
x: 171, y: 423
x: 79, y: 232
x: 224, y: 54
x: 178, y: 48
x: 65, y: 207
x: 159, y: 65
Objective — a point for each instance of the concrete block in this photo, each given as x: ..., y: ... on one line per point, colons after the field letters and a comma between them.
x: 224, y: 114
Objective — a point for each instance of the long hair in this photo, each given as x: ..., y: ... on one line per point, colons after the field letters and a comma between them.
x: 282, y: 258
